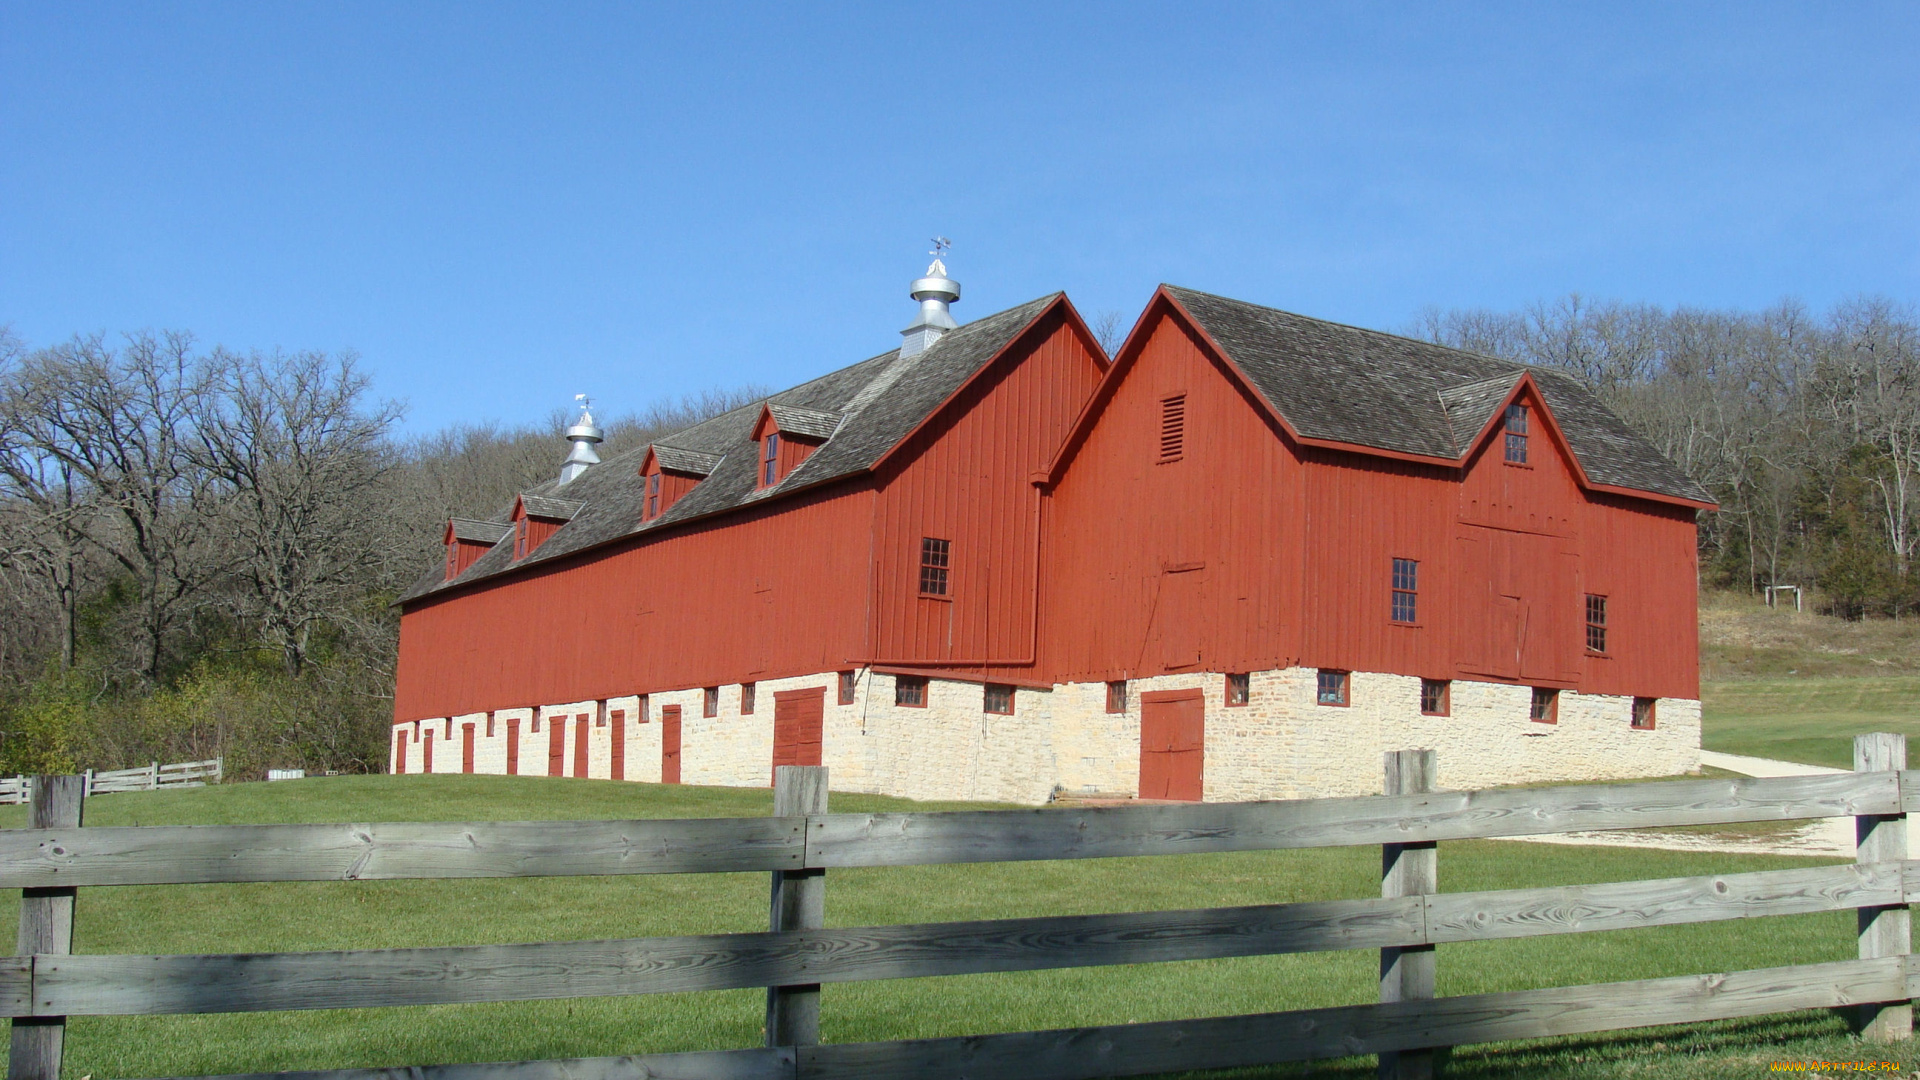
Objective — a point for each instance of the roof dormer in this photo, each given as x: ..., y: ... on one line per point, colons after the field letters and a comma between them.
x: 467, y: 540
x: 669, y: 472
x: 785, y: 436
x: 537, y: 517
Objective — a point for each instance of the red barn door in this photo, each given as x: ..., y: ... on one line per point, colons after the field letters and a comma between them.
x: 619, y: 748
x: 513, y: 747
x: 556, y: 746
x: 1173, y: 725
x: 797, y: 719
x: 466, y: 748
x: 580, y: 746
x: 670, y: 744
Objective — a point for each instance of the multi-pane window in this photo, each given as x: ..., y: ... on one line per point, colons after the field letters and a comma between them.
x: 1238, y: 688
x: 653, y: 496
x: 846, y: 688
x: 1406, y: 590
x: 1331, y: 688
x: 933, y: 566
x: 1117, y: 696
x: 1173, y: 427
x: 1545, y: 708
x: 710, y: 702
x: 1643, y: 713
x: 746, y: 698
x: 1435, y: 697
x: 1517, y: 434
x: 910, y: 690
x: 997, y: 698
x: 1596, y: 623
x: 770, y: 459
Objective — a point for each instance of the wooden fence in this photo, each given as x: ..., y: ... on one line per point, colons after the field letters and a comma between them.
x: 802, y: 841
x: 180, y: 774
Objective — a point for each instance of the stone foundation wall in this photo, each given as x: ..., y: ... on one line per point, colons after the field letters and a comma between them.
x: 1280, y: 745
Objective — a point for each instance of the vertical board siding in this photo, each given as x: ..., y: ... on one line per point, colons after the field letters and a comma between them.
x: 967, y: 478
x: 646, y: 616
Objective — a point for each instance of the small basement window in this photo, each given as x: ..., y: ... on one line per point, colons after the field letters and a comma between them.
x: 746, y: 698
x: 710, y: 701
x: 846, y: 688
x: 1117, y: 696
x: 910, y: 691
x: 643, y: 709
x: 997, y: 699
x: 1406, y: 590
x: 1596, y: 623
x: 1173, y: 428
x: 1331, y: 687
x: 1545, y: 708
x: 934, y: 558
x: 1436, y: 697
x: 1643, y: 718
x: 1516, y: 426
x: 1239, y: 688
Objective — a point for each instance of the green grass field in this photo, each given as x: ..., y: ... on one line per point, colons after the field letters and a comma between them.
x: 234, y: 918
x: 1807, y: 719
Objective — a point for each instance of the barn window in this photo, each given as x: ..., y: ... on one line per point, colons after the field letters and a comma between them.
x: 1239, y: 688
x: 600, y: 715
x: 520, y: 539
x: 934, y: 555
x: 1517, y: 434
x: 489, y: 725
x: 533, y: 722
x: 1545, y: 708
x: 653, y: 497
x: 1173, y: 427
x: 1331, y: 687
x: 1117, y: 696
x: 770, y: 459
x: 1596, y: 623
x: 1406, y: 590
x: 910, y: 691
x: 746, y: 698
x: 846, y: 688
x: 710, y: 701
x: 642, y: 709
x: 997, y: 698
x: 1436, y: 697
x: 1643, y: 713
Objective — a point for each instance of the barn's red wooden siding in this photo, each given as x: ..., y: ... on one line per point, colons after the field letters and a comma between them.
x: 695, y: 607
x: 1253, y: 552
x: 967, y: 477
x: 462, y: 554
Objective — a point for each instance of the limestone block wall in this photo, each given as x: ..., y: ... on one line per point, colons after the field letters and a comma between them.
x: 1281, y: 745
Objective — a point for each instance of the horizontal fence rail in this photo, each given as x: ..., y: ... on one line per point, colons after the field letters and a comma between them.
x: 199, y: 854
x: 797, y: 955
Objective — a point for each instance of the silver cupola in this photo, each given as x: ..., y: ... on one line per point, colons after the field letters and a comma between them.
x: 934, y: 291
x: 583, y: 435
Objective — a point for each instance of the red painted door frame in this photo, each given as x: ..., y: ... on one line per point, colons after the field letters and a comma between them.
x: 557, y: 745
x: 580, y: 746
x: 618, y: 718
x: 513, y: 747
x: 399, y: 751
x: 466, y: 748
x: 426, y: 752
x: 798, y: 716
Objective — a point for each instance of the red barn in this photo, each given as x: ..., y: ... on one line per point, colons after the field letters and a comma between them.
x: 1239, y: 561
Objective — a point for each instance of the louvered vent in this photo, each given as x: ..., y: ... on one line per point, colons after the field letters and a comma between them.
x: 1173, y: 427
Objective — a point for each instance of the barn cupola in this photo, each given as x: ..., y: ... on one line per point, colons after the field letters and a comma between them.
x: 935, y: 292
x: 583, y: 435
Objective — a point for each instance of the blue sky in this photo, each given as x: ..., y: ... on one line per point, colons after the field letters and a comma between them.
x: 500, y: 206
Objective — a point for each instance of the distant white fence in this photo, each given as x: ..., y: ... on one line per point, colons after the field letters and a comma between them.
x: 180, y: 774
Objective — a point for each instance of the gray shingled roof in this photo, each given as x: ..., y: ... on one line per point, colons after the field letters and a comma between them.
x: 1345, y: 384
x: 485, y: 532
x: 793, y: 420
x: 691, y: 462
x: 548, y: 508
x: 876, y: 403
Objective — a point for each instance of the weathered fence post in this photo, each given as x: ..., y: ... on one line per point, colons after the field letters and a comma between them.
x: 799, y: 903
x: 1406, y: 972
x: 46, y: 928
x: 1884, y: 931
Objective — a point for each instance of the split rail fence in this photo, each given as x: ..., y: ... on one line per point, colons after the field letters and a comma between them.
x: 802, y: 841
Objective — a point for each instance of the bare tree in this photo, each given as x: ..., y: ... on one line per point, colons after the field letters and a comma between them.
x: 304, y: 467
x: 1109, y: 329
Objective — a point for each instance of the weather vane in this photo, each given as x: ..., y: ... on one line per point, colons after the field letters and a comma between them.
x: 940, y: 246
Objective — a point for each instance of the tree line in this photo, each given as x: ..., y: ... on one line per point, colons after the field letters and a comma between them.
x: 202, y: 546
x: 199, y: 547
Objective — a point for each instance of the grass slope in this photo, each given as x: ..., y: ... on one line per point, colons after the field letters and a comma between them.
x: 234, y: 918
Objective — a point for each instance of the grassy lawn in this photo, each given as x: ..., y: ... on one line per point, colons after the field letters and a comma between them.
x: 235, y: 918
x: 1808, y: 719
